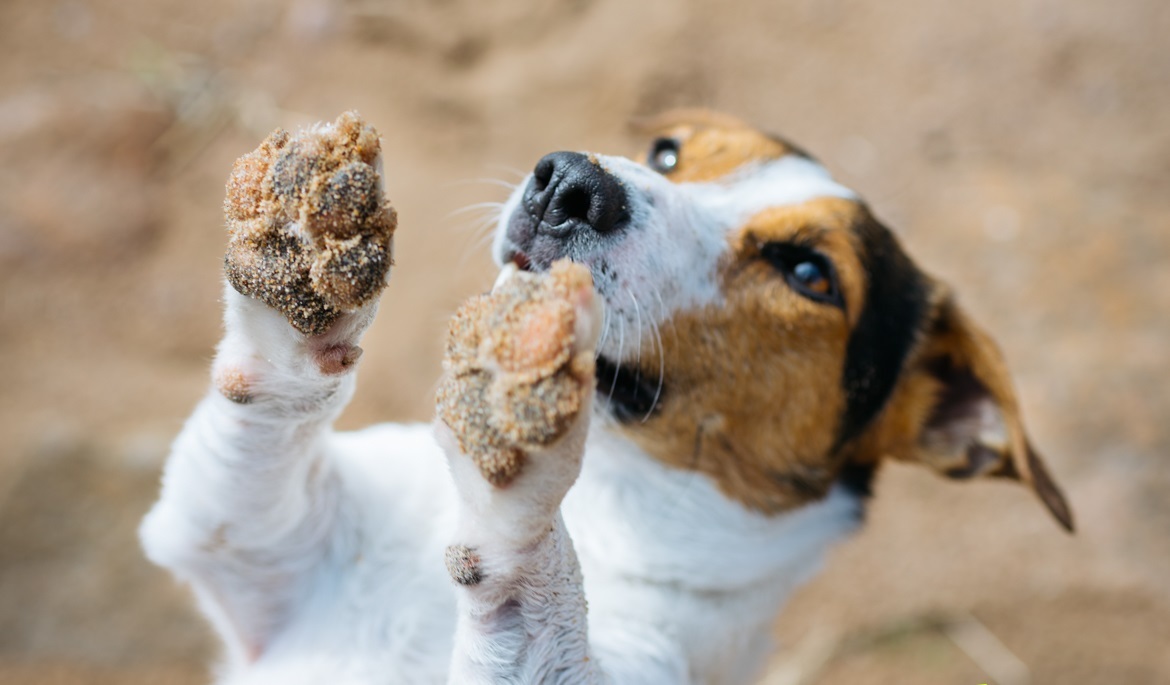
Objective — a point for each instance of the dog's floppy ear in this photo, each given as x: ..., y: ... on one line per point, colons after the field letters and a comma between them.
x: 958, y: 403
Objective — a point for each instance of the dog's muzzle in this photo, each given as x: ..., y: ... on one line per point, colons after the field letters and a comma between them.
x: 572, y: 207
x: 569, y: 206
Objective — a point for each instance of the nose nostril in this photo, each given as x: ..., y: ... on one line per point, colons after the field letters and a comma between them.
x: 543, y: 173
x: 574, y: 203
x: 571, y: 192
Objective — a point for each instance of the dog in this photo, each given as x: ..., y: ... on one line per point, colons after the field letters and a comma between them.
x: 706, y: 356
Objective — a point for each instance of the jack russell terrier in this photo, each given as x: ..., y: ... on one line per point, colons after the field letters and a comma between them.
x: 648, y: 434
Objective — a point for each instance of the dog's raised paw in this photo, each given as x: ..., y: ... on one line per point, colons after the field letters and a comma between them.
x: 519, y: 363
x: 310, y: 231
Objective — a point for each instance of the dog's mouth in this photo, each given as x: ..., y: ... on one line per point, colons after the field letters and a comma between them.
x: 521, y: 261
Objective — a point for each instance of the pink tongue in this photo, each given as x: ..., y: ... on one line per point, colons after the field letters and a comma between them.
x: 521, y: 261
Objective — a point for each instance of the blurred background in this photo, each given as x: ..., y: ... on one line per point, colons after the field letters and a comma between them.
x: 1021, y: 148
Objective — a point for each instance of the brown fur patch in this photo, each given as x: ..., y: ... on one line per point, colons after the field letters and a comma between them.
x: 713, y: 145
x: 755, y: 381
x: 756, y: 395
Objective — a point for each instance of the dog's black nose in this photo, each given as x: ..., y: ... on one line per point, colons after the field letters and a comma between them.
x: 570, y: 193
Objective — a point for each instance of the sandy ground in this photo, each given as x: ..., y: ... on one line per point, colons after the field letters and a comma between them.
x: 1021, y: 147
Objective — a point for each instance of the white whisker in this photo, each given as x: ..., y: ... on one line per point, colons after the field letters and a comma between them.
x: 638, y: 364
x: 638, y: 310
x: 661, y: 369
x: 618, y: 361
x: 664, y: 315
x: 604, y: 333
x: 658, y: 350
x: 474, y: 246
x: 495, y: 207
x: 481, y: 230
x: 484, y: 239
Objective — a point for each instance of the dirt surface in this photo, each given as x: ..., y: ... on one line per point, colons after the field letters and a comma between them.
x: 1020, y: 147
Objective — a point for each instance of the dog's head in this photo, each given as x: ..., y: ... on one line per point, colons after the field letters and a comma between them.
x: 762, y: 326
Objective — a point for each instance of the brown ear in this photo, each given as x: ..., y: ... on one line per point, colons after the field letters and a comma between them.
x: 958, y: 404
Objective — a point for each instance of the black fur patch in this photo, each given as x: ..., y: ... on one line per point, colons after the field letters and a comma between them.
x: 961, y: 393
x: 896, y: 304
x: 858, y: 478
x: 629, y: 395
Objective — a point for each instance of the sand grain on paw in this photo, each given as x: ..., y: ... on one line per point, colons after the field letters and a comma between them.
x: 512, y: 382
x: 310, y: 232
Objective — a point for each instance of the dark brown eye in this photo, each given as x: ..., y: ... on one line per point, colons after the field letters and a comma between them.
x: 812, y: 277
x: 807, y: 271
x: 663, y: 156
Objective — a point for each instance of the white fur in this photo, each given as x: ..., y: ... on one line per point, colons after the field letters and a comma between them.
x: 666, y: 261
x: 319, y: 556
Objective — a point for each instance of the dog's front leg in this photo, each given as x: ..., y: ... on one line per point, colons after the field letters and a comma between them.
x: 249, y: 497
x: 513, y: 414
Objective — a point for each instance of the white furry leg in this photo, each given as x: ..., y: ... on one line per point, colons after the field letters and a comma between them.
x: 522, y: 613
x: 514, y: 412
x: 249, y: 498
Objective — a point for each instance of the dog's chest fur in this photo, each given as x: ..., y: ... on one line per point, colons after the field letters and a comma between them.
x: 661, y: 549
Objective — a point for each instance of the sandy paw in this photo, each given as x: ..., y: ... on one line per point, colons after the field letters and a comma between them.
x: 519, y: 365
x: 310, y: 231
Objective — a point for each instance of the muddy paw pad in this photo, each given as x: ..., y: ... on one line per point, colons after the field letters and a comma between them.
x: 310, y: 232
x: 515, y: 375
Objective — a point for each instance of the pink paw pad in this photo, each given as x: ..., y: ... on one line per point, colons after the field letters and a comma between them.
x: 335, y: 359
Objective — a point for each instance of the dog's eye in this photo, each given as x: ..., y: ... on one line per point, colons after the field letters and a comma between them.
x: 812, y: 278
x: 807, y: 271
x: 663, y: 155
